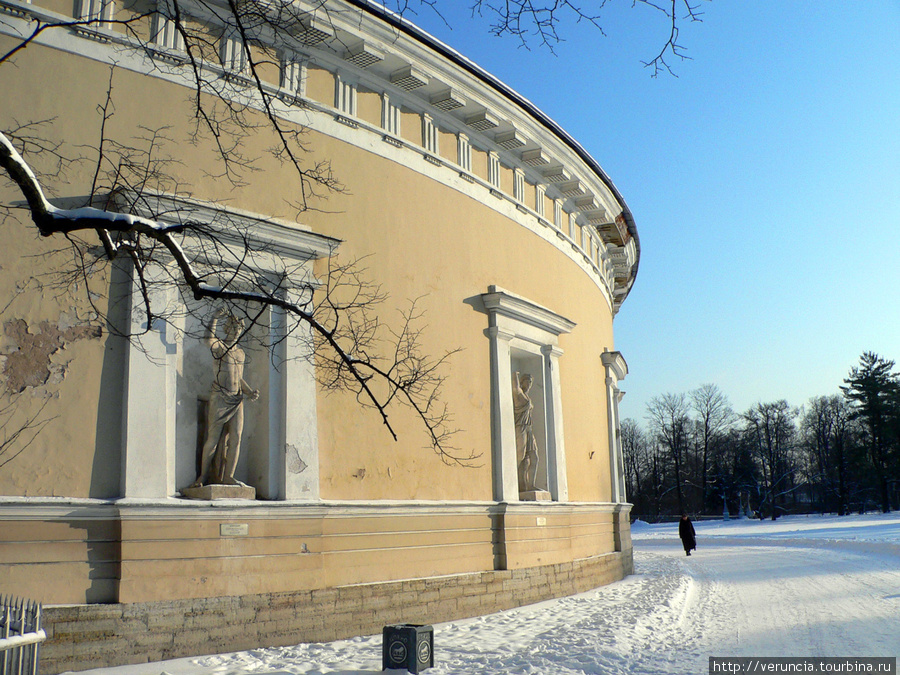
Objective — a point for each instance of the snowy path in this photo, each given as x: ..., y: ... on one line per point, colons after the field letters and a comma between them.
x: 753, y: 600
x: 746, y: 592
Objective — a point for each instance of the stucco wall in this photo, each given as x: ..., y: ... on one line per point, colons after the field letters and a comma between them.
x: 389, y: 510
x: 419, y: 238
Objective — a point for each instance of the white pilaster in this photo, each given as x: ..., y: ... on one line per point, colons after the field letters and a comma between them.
x: 556, y: 445
x: 616, y: 370
x: 299, y: 452
x: 503, y: 432
x: 150, y: 381
x: 531, y: 331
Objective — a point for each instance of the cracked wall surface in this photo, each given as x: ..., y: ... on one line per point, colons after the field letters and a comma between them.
x: 28, y: 359
x: 60, y: 374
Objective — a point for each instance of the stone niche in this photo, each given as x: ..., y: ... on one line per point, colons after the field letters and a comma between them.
x: 524, y: 363
x: 170, y: 372
x: 194, y: 378
x: 524, y: 338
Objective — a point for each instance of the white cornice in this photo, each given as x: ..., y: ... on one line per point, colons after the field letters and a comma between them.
x: 478, y: 94
x: 274, y: 235
x: 67, y: 508
x: 500, y: 301
x: 615, y: 362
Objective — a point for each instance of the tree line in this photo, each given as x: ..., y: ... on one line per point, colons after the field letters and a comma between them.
x: 838, y: 453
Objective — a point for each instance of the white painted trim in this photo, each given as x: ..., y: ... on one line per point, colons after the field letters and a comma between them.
x: 65, y: 509
x: 616, y: 370
x: 517, y: 323
x: 118, y: 47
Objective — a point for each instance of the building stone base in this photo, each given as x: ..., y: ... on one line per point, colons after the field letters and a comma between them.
x: 212, y: 492
x: 93, y: 636
x: 535, y: 496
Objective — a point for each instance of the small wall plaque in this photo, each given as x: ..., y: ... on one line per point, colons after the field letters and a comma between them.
x: 234, y: 529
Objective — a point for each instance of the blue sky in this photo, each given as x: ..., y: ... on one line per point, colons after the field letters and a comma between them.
x: 764, y: 181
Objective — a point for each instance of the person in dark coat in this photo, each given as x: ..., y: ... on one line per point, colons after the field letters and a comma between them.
x: 687, y: 534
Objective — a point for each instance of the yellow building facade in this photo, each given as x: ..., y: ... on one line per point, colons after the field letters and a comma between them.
x: 454, y: 191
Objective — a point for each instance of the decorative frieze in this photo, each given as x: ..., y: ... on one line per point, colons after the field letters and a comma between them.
x: 482, y: 121
x: 556, y: 173
x: 586, y: 202
x: 571, y: 188
x: 597, y: 216
x: 534, y: 157
x: 494, y: 169
x: 344, y: 96
x: 447, y: 100
x: 509, y: 140
x: 313, y: 31
x: 615, y: 231
x: 519, y: 185
x: 539, y: 193
x: 390, y: 116
x: 429, y: 135
x: 464, y: 153
x: 409, y: 78
x: 515, y: 141
x: 96, y: 10
x: 557, y: 214
x: 363, y: 55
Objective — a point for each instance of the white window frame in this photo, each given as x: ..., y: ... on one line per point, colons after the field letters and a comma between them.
x: 464, y: 153
x: 233, y: 53
x: 344, y: 96
x: 165, y: 33
x: 430, y: 137
x: 102, y: 11
x: 293, y: 74
x: 494, y: 169
x: 390, y: 116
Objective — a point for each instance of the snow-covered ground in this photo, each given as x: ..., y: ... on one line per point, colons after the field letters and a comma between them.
x: 799, y: 586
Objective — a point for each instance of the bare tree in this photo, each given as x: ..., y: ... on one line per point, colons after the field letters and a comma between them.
x: 542, y: 21
x: 770, y: 430
x: 354, y: 348
x: 831, y: 436
x: 635, y: 456
x: 714, y: 416
x: 669, y: 417
x: 231, y: 105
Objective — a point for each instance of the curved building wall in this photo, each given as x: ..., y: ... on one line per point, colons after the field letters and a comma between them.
x: 457, y: 193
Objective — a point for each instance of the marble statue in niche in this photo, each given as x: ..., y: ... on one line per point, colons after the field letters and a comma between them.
x: 225, y: 413
x: 526, y: 443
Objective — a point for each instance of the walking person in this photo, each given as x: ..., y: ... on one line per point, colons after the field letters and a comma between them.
x: 687, y: 534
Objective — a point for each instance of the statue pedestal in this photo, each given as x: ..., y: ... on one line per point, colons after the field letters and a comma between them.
x: 212, y: 492
x: 535, y: 496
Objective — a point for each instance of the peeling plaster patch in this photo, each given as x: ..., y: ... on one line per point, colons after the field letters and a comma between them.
x: 28, y: 363
x: 295, y: 463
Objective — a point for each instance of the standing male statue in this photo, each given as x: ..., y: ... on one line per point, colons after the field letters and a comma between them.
x: 225, y: 414
x: 526, y: 443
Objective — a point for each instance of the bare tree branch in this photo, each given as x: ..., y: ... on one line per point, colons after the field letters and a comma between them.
x: 348, y: 338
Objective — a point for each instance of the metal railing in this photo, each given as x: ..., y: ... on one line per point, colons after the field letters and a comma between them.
x: 20, y: 636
